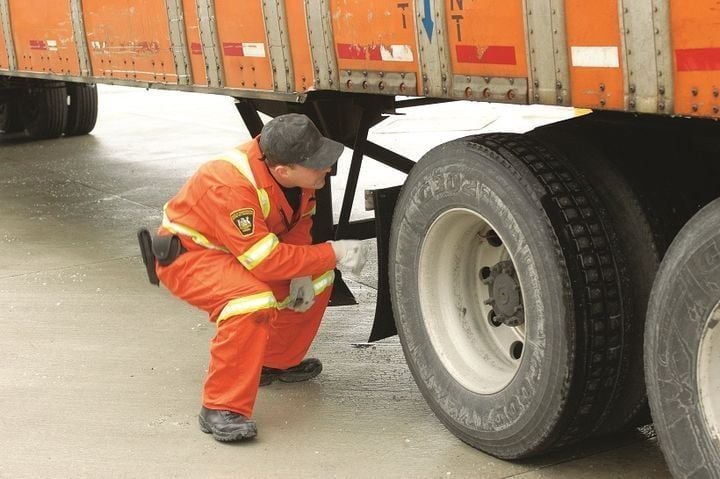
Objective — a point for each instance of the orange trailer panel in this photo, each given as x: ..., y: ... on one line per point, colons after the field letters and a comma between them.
x: 300, y: 45
x: 375, y: 36
x: 241, y: 32
x: 696, y: 49
x: 43, y: 37
x: 129, y: 40
x: 486, y: 39
x: 595, y: 53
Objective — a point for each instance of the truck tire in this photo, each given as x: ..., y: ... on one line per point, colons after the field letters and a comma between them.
x: 506, y: 294
x: 639, y: 245
x: 82, y: 109
x: 10, y: 121
x: 43, y: 109
x: 682, y: 349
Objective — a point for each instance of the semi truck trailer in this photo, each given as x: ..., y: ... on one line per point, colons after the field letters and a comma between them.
x: 546, y: 287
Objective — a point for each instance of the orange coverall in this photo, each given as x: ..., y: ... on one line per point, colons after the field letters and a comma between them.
x: 244, y: 244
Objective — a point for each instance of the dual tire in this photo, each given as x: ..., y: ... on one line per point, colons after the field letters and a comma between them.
x: 510, y: 300
x: 46, y: 110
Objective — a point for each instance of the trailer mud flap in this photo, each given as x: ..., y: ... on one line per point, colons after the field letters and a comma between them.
x: 383, y: 201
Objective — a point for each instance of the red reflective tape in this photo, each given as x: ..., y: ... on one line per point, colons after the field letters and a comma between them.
x: 195, y: 48
x: 374, y: 52
x: 496, y: 55
x: 350, y: 51
x: 697, y: 59
x: 38, y: 45
x: 233, y: 49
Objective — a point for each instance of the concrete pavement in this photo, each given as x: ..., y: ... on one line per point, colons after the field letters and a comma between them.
x: 101, y: 373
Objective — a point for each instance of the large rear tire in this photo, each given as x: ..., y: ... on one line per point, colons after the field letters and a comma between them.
x: 43, y: 109
x: 682, y: 350
x: 507, y: 295
x: 82, y: 109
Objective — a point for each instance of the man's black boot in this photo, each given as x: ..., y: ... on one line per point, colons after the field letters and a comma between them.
x: 226, y: 426
x: 307, y: 369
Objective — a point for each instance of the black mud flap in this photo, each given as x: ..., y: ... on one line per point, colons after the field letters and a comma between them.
x: 384, y: 204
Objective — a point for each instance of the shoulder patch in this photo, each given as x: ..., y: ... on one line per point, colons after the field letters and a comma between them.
x: 244, y: 219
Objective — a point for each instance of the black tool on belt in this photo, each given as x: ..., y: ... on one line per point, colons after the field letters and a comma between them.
x: 164, y: 248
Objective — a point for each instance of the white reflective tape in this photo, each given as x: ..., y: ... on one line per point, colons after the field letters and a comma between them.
x: 396, y: 53
x: 259, y: 251
x: 256, y: 50
x: 595, y: 57
x: 52, y: 45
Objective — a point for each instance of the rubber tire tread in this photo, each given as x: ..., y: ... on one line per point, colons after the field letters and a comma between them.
x: 51, y: 117
x: 10, y: 119
x: 603, y: 376
x: 686, y: 289
x: 583, y: 245
x: 82, y: 109
x: 640, y: 243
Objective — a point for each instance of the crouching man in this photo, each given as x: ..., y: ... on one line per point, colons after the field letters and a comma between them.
x: 245, y: 257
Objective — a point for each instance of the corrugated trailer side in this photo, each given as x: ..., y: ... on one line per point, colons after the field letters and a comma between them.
x: 519, y: 270
x: 615, y: 55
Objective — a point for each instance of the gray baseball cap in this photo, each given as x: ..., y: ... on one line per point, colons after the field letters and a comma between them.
x: 293, y: 139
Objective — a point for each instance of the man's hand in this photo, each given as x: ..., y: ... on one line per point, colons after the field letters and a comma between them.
x: 302, y: 294
x: 350, y: 254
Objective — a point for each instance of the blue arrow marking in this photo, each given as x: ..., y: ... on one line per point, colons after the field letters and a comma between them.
x: 427, y: 20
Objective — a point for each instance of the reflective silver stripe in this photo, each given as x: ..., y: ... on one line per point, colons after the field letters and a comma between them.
x: 259, y: 251
x: 196, y: 236
x: 247, y: 304
x: 320, y: 284
x: 310, y: 212
x: 266, y: 300
x: 240, y: 161
x: 323, y: 282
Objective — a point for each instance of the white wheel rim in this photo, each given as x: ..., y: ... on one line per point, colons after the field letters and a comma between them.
x: 482, y: 357
x: 709, y: 374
